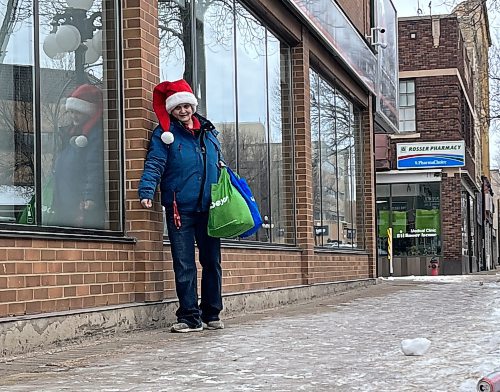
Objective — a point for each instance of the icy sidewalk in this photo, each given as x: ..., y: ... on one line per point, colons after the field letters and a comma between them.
x: 349, y: 342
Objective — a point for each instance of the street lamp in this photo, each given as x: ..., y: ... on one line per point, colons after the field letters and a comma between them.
x: 72, y: 31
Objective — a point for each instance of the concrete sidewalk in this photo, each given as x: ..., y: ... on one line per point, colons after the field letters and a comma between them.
x: 350, y: 341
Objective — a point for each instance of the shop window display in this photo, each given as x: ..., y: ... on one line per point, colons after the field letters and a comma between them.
x: 60, y: 159
x: 413, y: 212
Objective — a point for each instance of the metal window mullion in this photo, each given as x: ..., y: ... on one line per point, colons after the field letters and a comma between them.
x: 120, y: 84
x: 352, y: 171
x: 266, y: 60
x: 292, y: 136
x: 336, y: 165
x: 194, y: 65
x: 37, y: 115
x: 236, y: 98
x: 320, y: 155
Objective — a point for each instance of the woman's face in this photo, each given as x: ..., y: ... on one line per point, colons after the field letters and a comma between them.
x: 78, y: 118
x: 183, y: 112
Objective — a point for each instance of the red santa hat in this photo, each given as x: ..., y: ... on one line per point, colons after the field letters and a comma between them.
x: 168, y: 95
x: 86, y: 99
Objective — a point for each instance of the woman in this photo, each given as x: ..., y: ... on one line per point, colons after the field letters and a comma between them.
x: 78, y: 198
x: 183, y: 158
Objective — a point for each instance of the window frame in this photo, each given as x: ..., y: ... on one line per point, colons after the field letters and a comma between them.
x: 355, y: 128
x: 193, y: 67
x: 39, y: 229
x: 407, y: 108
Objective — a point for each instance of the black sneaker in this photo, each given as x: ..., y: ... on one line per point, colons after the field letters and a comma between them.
x: 184, y: 328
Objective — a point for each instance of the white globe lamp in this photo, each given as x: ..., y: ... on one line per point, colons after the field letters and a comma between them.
x: 91, y: 56
x: 80, y: 4
x: 50, y: 46
x: 68, y: 38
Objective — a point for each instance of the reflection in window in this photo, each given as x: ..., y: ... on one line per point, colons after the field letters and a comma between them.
x: 240, y: 73
x: 76, y: 176
x: 17, y: 160
x: 336, y: 152
x: 253, y: 128
x: 407, y: 105
x: 174, y: 21
x: 413, y: 212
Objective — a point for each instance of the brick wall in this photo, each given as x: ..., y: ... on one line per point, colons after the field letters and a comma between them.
x: 141, y: 74
x: 418, y: 49
x: 303, y: 158
x: 451, y: 218
x: 39, y: 276
x: 420, y: 53
x: 368, y: 186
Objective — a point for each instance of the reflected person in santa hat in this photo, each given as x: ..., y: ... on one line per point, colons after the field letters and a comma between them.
x: 78, y: 199
x: 184, y: 159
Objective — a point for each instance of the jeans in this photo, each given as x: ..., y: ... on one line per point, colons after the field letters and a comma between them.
x: 182, y: 240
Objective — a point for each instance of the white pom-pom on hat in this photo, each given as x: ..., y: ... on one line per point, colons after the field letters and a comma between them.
x: 86, y: 99
x: 81, y: 141
x: 167, y: 137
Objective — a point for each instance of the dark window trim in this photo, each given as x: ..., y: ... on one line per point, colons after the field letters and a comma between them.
x: 358, y: 251
x: 246, y: 244
x: 60, y: 235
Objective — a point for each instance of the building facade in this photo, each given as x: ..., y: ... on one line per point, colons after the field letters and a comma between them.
x: 292, y: 97
x: 430, y: 181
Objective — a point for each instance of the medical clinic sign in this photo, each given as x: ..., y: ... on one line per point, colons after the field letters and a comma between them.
x: 431, y: 155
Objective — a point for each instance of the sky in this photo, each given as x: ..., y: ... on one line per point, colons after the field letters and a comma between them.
x: 410, y: 7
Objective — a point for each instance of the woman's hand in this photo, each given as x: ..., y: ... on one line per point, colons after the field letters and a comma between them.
x: 147, y: 203
x: 87, y: 205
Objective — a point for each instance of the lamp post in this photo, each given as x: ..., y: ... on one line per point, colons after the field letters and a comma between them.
x: 73, y: 31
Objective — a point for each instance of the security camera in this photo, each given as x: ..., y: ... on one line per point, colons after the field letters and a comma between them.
x: 374, y: 31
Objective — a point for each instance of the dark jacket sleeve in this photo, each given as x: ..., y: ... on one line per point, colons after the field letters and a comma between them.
x: 154, y: 166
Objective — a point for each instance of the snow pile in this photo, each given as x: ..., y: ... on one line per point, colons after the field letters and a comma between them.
x: 417, y: 346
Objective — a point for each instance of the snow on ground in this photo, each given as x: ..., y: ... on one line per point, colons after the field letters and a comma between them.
x: 444, y: 278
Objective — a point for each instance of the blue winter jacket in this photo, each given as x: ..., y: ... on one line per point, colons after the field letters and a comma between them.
x: 186, y: 168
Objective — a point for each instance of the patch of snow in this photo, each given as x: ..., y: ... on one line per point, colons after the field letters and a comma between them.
x: 417, y: 346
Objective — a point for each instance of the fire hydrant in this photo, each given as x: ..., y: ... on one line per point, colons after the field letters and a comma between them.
x: 434, y: 266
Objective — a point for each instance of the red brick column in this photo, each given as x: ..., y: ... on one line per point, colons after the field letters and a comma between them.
x: 303, y: 160
x: 141, y: 74
x: 368, y: 186
x: 451, y: 219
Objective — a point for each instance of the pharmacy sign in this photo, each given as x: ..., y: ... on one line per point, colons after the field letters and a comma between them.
x: 430, y: 155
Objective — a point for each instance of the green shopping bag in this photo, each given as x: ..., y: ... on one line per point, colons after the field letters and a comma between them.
x: 229, y: 215
x: 27, y: 216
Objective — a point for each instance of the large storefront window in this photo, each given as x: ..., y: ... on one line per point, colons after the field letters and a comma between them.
x: 413, y: 212
x: 59, y: 119
x: 337, y: 167
x: 240, y: 72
